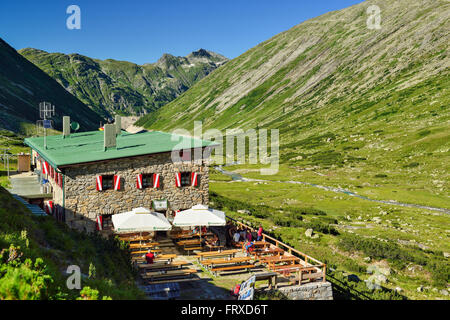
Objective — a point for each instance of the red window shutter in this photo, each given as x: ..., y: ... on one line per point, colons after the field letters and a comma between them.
x: 178, y: 179
x: 156, y: 180
x: 99, y: 223
x: 45, y: 167
x: 117, y: 182
x: 194, y: 179
x: 99, y: 183
x: 139, y: 181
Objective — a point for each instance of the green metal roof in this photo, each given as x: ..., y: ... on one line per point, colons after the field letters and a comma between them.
x: 88, y: 146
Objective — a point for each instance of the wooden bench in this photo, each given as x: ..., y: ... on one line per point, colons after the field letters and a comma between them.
x: 145, y: 251
x: 160, y: 257
x: 163, y: 265
x: 189, y: 249
x: 175, y: 280
x: 232, y: 268
x: 271, y: 277
x: 214, y: 248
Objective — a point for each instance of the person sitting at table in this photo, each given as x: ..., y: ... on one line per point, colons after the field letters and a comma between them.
x: 195, y: 230
x: 236, y: 236
x: 248, y: 247
x: 249, y: 235
x: 243, y: 234
x: 204, y: 230
x: 149, y: 257
x: 215, y: 240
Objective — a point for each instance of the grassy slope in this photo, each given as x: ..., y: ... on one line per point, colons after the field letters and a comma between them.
x: 359, y: 109
x: 47, y: 249
x: 111, y: 86
x: 23, y: 86
x: 345, y: 99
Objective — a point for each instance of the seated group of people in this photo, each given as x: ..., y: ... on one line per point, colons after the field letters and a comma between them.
x: 241, y: 235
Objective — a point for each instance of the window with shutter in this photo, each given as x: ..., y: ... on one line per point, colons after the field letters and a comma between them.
x: 185, y: 179
x: 108, y: 182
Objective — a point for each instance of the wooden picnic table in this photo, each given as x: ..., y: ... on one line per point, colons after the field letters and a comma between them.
x: 135, y: 238
x: 160, y: 257
x: 278, y: 259
x: 212, y: 247
x: 267, y: 251
x: 145, y: 251
x: 262, y: 244
x: 190, y: 235
x: 143, y: 245
x: 188, y: 242
x: 257, y: 245
x: 207, y: 254
x: 222, y: 261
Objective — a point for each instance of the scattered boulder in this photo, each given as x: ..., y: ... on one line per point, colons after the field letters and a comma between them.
x: 420, y: 289
x: 367, y: 259
x: 244, y: 211
x: 353, y: 277
x: 385, y: 271
x: 309, y: 233
x: 444, y: 292
x: 380, y: 278
x: 446, y: 254
x: 376, y: 219
x: 371, y: 285
x: 398, y: 289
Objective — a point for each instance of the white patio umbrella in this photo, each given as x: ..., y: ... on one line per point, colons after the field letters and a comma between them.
x: 199, y: 215
x: 140, y: 220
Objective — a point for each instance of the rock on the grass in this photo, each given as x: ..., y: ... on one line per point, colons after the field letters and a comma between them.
x: 367, y: 259
x: 353, y: 277
x: 444, y: 292
x: 309, y: 232
x: 244, y: 211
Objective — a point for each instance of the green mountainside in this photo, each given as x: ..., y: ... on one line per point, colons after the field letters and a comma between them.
x: 111, y: 86
x: 23, y: 86
x: 342, y: 96
x: 364, y: 123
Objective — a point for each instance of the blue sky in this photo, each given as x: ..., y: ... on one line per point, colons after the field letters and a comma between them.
x: 141, y: 31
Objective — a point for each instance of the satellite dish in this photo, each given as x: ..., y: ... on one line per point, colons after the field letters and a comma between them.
x: 75, y: 126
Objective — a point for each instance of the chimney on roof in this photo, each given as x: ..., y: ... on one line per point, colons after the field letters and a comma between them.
x: 109, y: 136
x: 66, y: 126
x: 118, y: 124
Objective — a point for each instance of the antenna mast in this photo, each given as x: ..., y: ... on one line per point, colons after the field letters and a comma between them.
x: 46, y: 110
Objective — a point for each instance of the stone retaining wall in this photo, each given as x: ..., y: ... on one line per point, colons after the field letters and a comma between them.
x: 309, y: 291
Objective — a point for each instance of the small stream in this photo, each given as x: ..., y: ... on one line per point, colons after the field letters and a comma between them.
x: 237, y: 177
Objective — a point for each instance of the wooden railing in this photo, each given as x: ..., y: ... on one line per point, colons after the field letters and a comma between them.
x: 312, y: 269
